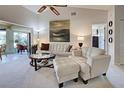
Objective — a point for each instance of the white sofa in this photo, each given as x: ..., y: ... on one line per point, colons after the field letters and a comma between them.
x: 93, y: 62
x: 57, y: 48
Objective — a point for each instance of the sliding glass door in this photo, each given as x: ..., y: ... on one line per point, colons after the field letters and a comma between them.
x: 2, y: 37
x: 21, y: 38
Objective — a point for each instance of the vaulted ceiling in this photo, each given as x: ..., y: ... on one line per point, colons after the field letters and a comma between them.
x: 34, y: 8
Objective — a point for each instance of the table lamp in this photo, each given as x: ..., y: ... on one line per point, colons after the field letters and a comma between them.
x: 81, y: 39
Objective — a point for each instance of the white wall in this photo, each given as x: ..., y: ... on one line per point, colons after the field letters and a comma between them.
x: 81, y: 24
x: 10, y: 29
x: 111, y: 17
x: 116, y: 49
x: 119, y: 43
x: 17, y: 14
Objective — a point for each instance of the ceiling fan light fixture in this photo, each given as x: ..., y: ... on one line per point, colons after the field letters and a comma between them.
x: 51, y: 7
x: 54, y: 11
x: 60, y: 5
x: 42, y: 9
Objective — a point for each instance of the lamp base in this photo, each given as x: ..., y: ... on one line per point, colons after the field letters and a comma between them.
x: 80, y: 44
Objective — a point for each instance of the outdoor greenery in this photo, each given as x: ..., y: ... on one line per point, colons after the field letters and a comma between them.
x: 20, y: 38
x: 2, y: 37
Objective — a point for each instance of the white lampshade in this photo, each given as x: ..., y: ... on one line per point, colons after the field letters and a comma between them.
x: 80, y: 38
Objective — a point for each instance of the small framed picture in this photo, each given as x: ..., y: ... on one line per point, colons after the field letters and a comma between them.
x: 110, y: 40
x: 110, y: 31
x: 110, y: 23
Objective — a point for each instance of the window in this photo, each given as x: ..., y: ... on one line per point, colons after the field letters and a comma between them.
x: 2, y: 37
x: 20, y: 38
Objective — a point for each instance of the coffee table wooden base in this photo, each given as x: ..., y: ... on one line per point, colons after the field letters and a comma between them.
x: 39, y: 61
x: 34, y: 63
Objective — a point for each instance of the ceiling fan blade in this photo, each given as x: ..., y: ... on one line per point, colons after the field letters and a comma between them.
x: 42, y: 9
x: 60, y: 5
x: 54, y: 11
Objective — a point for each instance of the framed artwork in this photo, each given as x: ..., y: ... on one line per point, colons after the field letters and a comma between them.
x: 110, y: 31
x: 110, y: 23
x: 110, y: 40
x: 60, y: 31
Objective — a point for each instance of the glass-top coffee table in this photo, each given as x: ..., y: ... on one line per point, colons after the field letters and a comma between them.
x: 41, y: 60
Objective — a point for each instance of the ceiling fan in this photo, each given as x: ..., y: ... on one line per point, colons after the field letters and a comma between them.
x: 52, y: 8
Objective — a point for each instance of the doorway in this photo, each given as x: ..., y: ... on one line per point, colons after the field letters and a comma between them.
x: 98, y: 36
x: 21, y: 39
x: 2, y: 36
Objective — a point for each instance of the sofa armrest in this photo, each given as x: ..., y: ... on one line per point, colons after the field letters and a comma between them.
x: 77, y: 53
x: 99, y: 64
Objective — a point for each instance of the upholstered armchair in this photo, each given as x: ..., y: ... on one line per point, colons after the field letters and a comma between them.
x: 93, y: 62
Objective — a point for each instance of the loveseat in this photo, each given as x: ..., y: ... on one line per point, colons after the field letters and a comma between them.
x: 93, y: 62
x: 60, y: 49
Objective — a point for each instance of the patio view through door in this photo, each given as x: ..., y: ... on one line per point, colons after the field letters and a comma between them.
x: 21, y: 38
x: 2, y: 37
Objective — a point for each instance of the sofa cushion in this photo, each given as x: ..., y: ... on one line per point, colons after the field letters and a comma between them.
x: 44, y: 46
x: 45, y: 52
x: 88, y: 54
x: 58, y: 47
x: 96, y: 51
x: 62, y: 54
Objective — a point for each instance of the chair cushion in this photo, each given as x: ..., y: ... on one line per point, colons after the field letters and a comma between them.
x: 84, y: 67
x: 65, y: 66
x: 84, y: 51
x: 78, y: 59
x: 92, y: 51
x: 88, y: 54
x: 96, y: 51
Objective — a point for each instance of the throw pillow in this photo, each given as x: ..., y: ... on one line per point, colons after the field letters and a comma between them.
x: 44, y: 46
x: 68, y: 48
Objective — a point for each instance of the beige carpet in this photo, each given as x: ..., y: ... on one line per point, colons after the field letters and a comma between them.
x: 15, y: 72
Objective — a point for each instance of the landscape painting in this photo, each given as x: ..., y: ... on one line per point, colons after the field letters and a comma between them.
x: 60, y: 31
